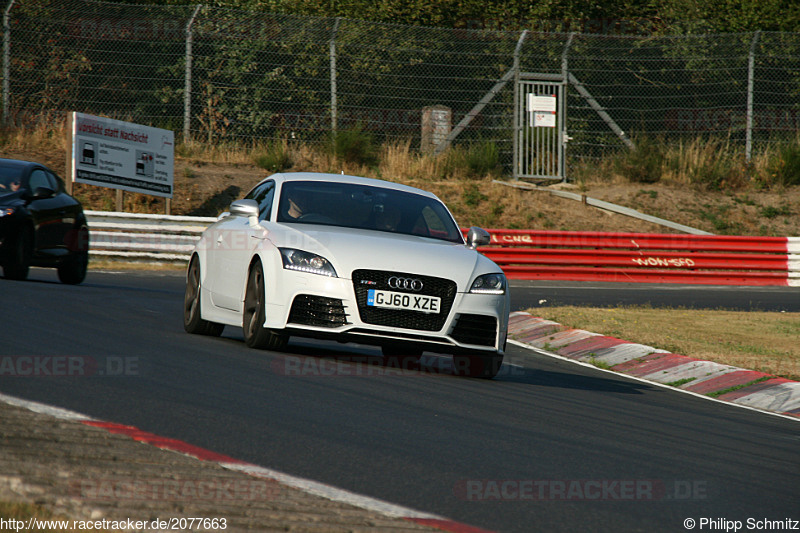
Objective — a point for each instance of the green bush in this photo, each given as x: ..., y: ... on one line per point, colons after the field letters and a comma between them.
x: 774, y: 212
x: 483, y: 159
x: 714, y: 175
x: 644, y: 163
x: 354, y: 145
x: 786, y: 166
x: 473, y: 162
x: 276, y: 157
x: 453, y: 162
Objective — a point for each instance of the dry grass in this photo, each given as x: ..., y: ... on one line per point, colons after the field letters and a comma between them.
x: 682, y: 161
x: 109, y: 265
x: 702, y: 163
x: 762, y: 341
x: 400, y: 162
x: 37, y: 139
x: 23, y: 512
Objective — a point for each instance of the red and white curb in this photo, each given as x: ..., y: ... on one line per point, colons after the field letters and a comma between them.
x: 746, y: 388
x: 306, y: 485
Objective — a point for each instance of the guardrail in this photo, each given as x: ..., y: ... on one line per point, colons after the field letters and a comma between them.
x: 522, y: 254
x: 141, y: 237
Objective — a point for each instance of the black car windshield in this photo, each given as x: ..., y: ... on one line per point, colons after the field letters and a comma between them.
x: 364, y: 207
x: 10, y: 179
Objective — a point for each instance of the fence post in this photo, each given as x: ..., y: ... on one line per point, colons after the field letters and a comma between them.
x: 187, y: 91
x: 334, y: 106
x: 565, y: 54
x: 563, y: 137
x: 6, y: 61
x: 517, y: 110
x: 751, y: 64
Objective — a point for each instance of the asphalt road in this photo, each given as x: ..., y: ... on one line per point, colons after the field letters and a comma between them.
x: 548, y: 445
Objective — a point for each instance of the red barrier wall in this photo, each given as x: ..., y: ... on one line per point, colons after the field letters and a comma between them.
x: 640, y: 257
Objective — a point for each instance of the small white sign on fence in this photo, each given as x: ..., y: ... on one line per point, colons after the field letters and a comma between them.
x: 541, y: 111
x: 122, y: 155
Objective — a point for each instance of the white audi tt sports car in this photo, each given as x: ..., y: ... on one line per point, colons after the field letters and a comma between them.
x: 351, y: 259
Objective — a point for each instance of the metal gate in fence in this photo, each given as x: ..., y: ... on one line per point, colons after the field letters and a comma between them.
x: 539, y: 124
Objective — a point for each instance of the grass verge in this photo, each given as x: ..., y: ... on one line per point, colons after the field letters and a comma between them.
x: 762, y: 341
x: 110, y: 264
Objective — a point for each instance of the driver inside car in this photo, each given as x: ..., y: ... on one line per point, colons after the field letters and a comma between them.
x: 298, y: 204
x: 13, y: 186
x: 387, y: 218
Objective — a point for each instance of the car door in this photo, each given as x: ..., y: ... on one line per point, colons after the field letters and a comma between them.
x: 47, y: 212
x: 70, y: 211
x: 233, y: 244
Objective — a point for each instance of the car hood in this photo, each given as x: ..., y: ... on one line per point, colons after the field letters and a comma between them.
x: 11, y: 199
x: 350, y: 249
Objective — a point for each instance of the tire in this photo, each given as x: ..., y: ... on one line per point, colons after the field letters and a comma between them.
x: 478, y: 365
x: 19, y: 260
x: 192, y: 321
x: 253, y: 316
x: 73, y: 270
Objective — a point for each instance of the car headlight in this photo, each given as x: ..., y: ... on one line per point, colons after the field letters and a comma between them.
x: 6, y: 211
x: 489, y: 284
x: 306, y: 262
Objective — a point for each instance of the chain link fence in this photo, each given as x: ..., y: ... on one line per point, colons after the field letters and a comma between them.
x: 227, y: 75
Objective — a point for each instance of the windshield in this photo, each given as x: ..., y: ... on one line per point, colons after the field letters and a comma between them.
x: 10, y: 179
x: 364, y: 207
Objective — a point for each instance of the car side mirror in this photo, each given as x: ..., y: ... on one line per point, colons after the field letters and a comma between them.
x: 478, y: 237
x: 245, y: 208
x: 43, y: 193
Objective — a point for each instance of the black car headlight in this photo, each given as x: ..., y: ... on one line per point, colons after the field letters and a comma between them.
x: 6, y: 211
x: 306, y: 262
x: 489, y: 284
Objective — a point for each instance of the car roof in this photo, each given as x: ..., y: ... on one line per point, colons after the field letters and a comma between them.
x: 344, y: 178
x: 19, y: 163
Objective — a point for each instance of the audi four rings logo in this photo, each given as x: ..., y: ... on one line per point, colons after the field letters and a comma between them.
x: 409, y: 284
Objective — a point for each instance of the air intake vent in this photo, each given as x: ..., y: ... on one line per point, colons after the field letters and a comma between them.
x: 475, y: 329
x: 317, y: 311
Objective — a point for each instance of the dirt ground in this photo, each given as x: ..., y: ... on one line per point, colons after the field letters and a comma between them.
x: 67, y: 470
x: 207, y: 188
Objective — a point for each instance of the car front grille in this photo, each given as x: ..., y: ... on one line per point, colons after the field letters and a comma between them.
x: 364, y: 280
x: 317, y: 311
x: 480, y: 330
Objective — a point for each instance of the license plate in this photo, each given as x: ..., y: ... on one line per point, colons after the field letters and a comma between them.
x: 403, y: 300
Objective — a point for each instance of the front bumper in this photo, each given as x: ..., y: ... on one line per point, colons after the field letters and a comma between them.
x: 329, y: 308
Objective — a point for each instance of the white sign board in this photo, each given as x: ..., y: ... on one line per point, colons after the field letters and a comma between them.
x: 543, y: 119
x: 541, y: 103
x: 122, y: 155
x: 542, y: 111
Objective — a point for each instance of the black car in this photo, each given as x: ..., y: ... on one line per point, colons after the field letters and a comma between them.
x: 40, y: 224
